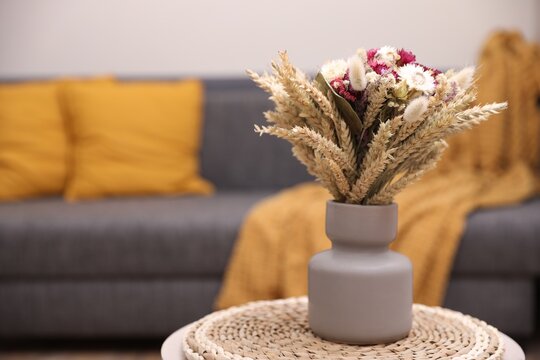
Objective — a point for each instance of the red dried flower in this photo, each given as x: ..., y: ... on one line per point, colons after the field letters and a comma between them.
x: 381, y: 68
x: 406, y: 57
x: 371, y: 54
x: 341, y: 86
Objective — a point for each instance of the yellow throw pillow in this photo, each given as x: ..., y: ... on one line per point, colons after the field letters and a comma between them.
x: 33, y: 144
x: 135, y: 139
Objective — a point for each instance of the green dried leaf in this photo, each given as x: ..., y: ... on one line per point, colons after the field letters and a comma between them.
x: 345, y: 109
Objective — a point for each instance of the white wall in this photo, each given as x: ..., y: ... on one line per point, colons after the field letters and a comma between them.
x: 153, y: 37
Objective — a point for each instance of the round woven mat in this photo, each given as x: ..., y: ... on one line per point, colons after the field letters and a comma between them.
x: 279, y: 330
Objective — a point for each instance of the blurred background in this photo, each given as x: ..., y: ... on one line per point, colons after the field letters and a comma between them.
x: 112, y: 277
x: 212, y: 38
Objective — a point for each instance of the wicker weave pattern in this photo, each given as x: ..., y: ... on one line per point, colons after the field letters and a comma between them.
x: 279, y: 330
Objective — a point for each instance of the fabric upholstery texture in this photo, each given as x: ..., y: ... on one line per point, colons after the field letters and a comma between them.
x: 123, y: 309
x: 135, y: 139
x: 508, y: 303
x: 121, y: 238
x: 503, y: 240
x: 33, y: 141
x: 193, y: 236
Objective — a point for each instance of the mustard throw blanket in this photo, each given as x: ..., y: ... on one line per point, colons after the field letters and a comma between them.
x: 492, y: 165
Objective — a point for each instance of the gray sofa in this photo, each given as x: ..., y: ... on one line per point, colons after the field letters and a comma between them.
x: 142, y: 267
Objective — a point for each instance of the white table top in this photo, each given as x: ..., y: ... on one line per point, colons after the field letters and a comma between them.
x: 172, y: 347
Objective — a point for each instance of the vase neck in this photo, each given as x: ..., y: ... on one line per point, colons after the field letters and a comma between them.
x: 361, y: 227
x: 355, y: 248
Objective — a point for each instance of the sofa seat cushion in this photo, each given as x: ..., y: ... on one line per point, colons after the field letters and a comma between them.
x: 501, y: 241
x: 128, y: 237
x: 194, y: 236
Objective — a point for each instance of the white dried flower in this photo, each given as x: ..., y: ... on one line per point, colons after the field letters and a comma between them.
x: 464, y: 78
x: 372, y: 76
x: 334, y: 69
x: 357, y: 73
x: 416, y: 108
x: 417, y: 78
x: 388, y: 55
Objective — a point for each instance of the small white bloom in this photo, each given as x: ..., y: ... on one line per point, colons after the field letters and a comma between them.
x: 417, y: 78
x: 334, y: 69
x: 416, y: 108
x: 357, y: 73
x: 388, y: 55
x: 372, y: 76
x: 464, y: 78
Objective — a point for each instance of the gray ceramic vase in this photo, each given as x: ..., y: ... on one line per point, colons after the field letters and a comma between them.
x: 360, y: 292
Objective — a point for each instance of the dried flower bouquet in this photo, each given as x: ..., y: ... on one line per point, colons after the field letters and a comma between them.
x: 368, y: 127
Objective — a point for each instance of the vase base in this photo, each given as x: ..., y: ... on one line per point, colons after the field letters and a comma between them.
x: 379, y: 341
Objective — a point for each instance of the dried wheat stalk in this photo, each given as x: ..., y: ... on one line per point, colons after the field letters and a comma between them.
x: 402, y: 133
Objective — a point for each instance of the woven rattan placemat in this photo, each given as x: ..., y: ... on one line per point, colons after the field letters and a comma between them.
x: 279, y: 330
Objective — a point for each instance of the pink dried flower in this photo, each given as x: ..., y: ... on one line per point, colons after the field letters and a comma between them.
x: 378, y: 67
x: 381, y: 68
x: 342, y: 87
x: 406, y: 57
x: 371, y: 54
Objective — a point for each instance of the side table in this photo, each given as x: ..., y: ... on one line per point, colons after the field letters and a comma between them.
x: 172, y: 347
x: 271, y: 329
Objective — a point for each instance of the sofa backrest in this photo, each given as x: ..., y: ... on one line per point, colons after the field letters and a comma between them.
x: 233, y: 156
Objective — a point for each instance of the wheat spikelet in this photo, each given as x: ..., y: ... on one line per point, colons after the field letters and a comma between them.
x: 347, y: 145
x: 462, y: 100
x: 263, y: 81
x: 378, y: 93
x: 367, y: 177
x: 331, y: 115
x: 295, y: 83
x: 286, y: 113
x: 434, y: 130
x: 441, y: 92
x: 443, y: 123
x: 283, y: 119
x: 475, y: 115
x: 395, y: 125
x: 387, y: 194
x: 407, y: 142
x: 481, y: 112
x: 432, y: 117
x: 325, y: 109
x: 373, y: 164
x: 310, y: 138
x: 407, y: 129
x: 340, y: 180
x: 327, y: 106
x: 325, y: 177
x: 343, y: 134
x: 306, y: 156
x: 421, y: 139
x: 414, y: 115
